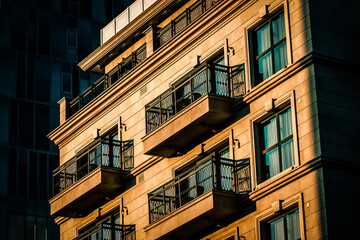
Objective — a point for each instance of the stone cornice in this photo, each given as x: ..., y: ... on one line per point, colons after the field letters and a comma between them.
x: 160, y: 60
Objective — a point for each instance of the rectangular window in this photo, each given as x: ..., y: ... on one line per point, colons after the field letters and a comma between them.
x: 71, y: 38
x: 270, y: 48
x: 276, y: 141
x: 66, y: 83
x: 286, y: 226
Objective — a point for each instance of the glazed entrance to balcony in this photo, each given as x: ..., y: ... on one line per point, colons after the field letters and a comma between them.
x: 91, y: 177
x: 107, y: 231
x: 205, y: 194
x: 192, y: 108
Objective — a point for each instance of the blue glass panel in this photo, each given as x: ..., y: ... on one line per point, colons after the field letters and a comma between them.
x: 270, y: 135
x: 272, y: 162
x: 285, y: 124
x: 263, y: 39
x: 293, y: 226
x: 265, y: 67
x: 278, y: 28
x: 280, y: 56
x: 277, y: 229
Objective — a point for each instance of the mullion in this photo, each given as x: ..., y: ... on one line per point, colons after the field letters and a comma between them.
x: 271, y: 48
x: 277, y: 144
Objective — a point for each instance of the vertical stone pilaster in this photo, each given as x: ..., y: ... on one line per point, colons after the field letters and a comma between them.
x: 64, y: 109
x: 150, y: 34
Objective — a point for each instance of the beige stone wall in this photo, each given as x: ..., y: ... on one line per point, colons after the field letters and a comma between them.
x: 295, y: 83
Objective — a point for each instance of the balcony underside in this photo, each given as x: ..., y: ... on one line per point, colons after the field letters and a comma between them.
x: 88, y: 193
x: 184, y: 130
x: 197, y: 216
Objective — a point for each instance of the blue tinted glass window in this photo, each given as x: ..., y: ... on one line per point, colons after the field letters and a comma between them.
x: 271, y: 50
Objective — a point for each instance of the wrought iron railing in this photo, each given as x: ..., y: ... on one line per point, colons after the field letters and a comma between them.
x: 186, y: 18
x: 106, y: 231
x: 213, y: 173
x: 107, y: 80
x: 105, y: 152
x: 207, y: 78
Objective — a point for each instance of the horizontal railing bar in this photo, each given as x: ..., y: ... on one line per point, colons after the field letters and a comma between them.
x: 188, y: 173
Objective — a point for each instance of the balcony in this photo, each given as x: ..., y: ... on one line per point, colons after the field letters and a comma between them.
x: 107, y: 80
x: 206, y: 195
x: 191, y: 109
x: 90, y: 178
x: 107, y: 231
x: 189, y: 16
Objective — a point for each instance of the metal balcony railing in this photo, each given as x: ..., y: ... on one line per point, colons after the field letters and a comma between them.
x: 107, y: 80
x: 107, y: 231
x: 186, y: 18
x: 105, y: 152
x: 207, y: 78
x: 213, y: 173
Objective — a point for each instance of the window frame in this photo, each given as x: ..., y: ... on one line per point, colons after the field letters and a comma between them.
x: 281, y: 208
x: 265, y: 233
x: 254, y: 23
x: 273, y: 45
x: 283, y: 102
x: 74, y: 31
x: 63, y: 74
x: 277, y: 145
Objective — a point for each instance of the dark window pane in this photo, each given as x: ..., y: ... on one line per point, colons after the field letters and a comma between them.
x: 22, y: 174
x: 20, y: 76
x: 26, y: 124
x: 33, y: 175
x: 16, y: 227
x: 4, y: 171
x: 66, y: 83
x: 30, y: 77
x: 41, y: 229
x: 71, y: 38
x: 58, y: 35
x: 12, y: 180
x: 43, y: 176
x: 43, y: 79
x: 42, y: 126
x: 44, y: 34
x: 18, y: 28
x: 30, y: 226
x: 53, y: 164
x: 7, y: 79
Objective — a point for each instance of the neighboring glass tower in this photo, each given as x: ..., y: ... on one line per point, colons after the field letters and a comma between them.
x: 40, y: 45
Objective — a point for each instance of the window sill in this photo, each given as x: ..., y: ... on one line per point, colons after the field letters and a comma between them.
x: 282, y: 179
x: 276, y: 79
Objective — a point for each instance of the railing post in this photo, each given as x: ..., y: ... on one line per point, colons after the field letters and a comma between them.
x: 228, y: 81
x: 172, y: 28
x: 203, y: 5
x: 217, y: 173
x: 212, y: 78
x: 164, y: 204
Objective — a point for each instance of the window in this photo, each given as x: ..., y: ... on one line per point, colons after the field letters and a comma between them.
x: 270, y: 48
x: 285, y: 226
x: 108, y: 227
x: 66, y: 83
x: 276, y: 141
x: 71, y: 38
